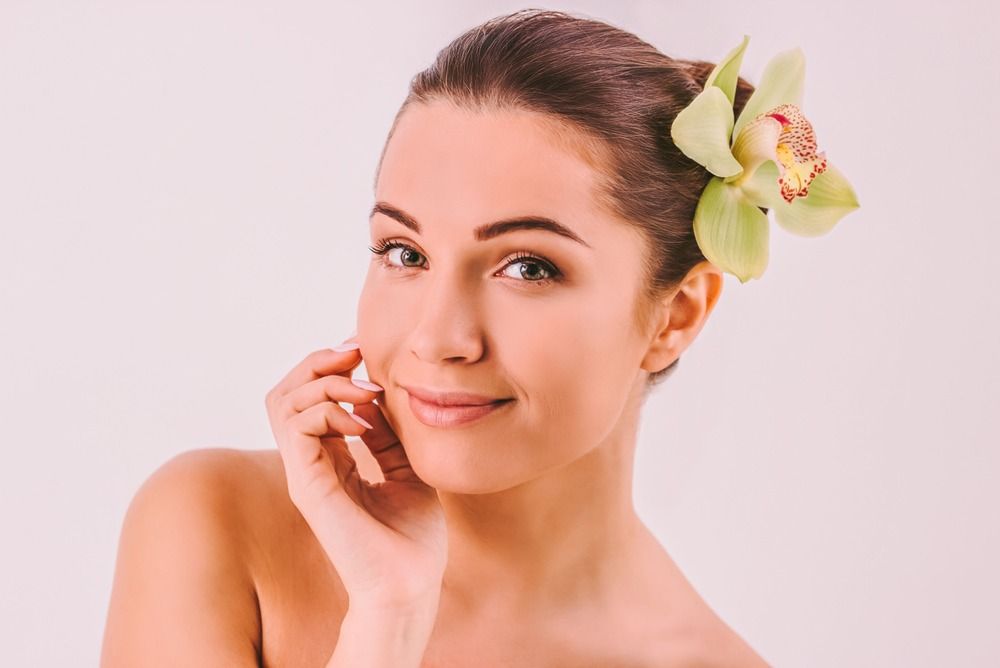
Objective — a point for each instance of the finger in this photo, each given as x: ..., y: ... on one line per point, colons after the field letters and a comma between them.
x: 385, y: 445
x: 310, y: 473
x: 315, y: 488
x: 341, y: 458
x: 345, y: 465
x: 319, y: 363
x: 329, y: 388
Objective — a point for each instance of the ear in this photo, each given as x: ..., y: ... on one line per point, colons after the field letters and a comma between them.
x: 682, y: 314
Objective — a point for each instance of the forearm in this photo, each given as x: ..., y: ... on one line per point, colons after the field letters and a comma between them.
x: 379, y: 638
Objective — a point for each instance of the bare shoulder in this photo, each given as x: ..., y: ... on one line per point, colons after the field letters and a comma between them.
x: 217, y: 470
x: 680, y: 627
x: 182, y: 592
x: 248, y: 489
x: 199, y: 490
x: 210, y: 483
x: 723, y: 648
x: 706, y: 641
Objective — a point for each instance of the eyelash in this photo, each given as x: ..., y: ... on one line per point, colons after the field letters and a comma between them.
x: 383, y: 246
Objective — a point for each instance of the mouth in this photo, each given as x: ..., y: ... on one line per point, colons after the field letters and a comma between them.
x: 439, y: 415
x: 450, y: 398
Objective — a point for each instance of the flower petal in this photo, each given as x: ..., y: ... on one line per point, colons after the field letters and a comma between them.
x: 731, y: 231
x: 756, y: 143
x: 795, y: 151
x: 762, y: 188
x: 701, y: 131
x: 781, y: 83
x: 829, y: 199
x: 726, y: 72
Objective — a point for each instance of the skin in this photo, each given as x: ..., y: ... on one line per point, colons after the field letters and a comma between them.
x: 547, y: 562
x: 537, y: 498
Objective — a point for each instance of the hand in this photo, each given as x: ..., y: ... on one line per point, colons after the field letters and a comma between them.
x: 387, y: 540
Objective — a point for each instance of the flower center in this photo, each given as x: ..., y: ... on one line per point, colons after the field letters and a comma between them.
x: 796, y: 152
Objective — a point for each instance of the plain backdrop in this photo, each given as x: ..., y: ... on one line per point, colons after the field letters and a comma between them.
x: 184, y: 189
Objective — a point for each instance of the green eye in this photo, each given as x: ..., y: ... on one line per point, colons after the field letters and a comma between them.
x: 527, y: 260
x: 552, y: 274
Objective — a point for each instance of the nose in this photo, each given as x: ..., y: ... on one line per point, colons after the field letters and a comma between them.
x: 448, y: 324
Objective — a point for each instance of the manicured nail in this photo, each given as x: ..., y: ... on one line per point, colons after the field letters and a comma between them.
x: 344, y: 347
x: 360, y: 420
x: 365, y: 385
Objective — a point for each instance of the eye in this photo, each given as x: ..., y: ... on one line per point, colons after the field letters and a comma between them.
x: 383, y: 247
x: 534, y: 263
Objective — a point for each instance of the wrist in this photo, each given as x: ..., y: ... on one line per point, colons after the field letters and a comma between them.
x: 410, y: 610
x: 397, y: 600
x: 378, y: 635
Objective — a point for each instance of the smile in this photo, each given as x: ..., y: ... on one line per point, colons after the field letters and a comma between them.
x: 435, y: 415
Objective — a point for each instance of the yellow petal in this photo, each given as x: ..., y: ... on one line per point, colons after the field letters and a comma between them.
x: 792, y: 148
x: 796, y: 152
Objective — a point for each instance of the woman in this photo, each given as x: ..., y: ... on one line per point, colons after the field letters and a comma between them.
x: 533, y: 249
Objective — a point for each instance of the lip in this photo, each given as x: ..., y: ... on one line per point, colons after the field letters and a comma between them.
x: 450, y: 398
x: 437, y: 415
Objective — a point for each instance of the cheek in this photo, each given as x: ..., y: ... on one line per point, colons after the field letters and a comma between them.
x: 379, y: 332
x: 368, y: 312
x: 565, y: 338
x: 386, y: 304
x: 573, y: 363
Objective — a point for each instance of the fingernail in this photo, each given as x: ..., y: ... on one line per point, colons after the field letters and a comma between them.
x: 365, y: 385
x: 360, y: 420
x: 344, y: 347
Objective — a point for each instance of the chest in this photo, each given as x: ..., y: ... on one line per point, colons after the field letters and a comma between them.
x: 301, y: 615
x: 503, y: 648
x: 302, y: 603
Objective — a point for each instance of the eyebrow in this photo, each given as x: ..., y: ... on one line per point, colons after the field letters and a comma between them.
x: 489, y: 230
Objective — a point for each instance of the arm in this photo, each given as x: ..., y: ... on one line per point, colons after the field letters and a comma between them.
x: 182, y: 593
x: 373, y: 637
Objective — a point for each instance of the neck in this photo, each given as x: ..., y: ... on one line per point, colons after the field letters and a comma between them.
x: 566, y: 537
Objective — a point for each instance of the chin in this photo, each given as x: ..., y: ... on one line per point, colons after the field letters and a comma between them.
x: 460, y: 466
x: 474, y: 457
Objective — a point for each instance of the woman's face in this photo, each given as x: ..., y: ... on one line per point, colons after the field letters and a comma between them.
x: 462, y: 310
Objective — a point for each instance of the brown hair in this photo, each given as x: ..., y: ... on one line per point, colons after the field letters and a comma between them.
x: 612, y: 97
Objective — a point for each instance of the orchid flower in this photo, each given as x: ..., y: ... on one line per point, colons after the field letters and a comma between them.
x: 765, y: 159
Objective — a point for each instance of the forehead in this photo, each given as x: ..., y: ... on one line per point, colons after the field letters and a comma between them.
x: 444, y: 161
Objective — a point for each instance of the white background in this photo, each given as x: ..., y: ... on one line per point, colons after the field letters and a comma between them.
x: 184, y: 189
